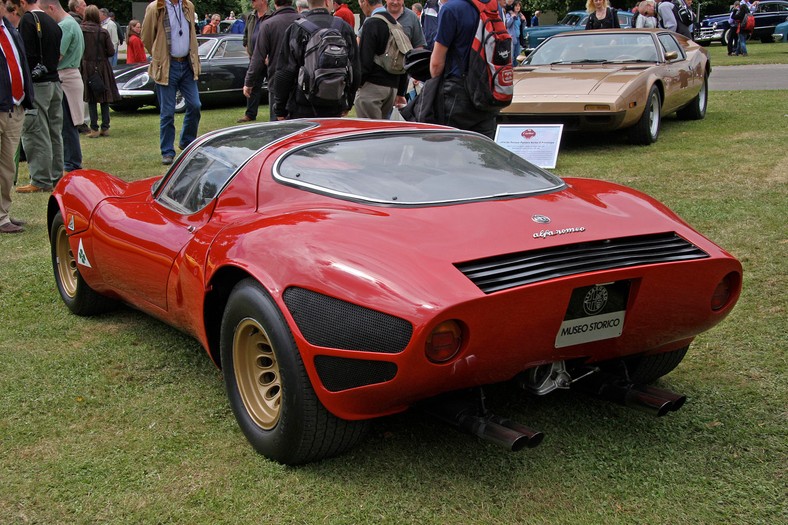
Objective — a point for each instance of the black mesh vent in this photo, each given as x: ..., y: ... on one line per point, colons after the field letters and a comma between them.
x: 333, y: 323
x: 337, y: 373
x: 507, y: 271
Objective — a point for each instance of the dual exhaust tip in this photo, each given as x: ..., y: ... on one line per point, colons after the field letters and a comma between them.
x: 474, y: 419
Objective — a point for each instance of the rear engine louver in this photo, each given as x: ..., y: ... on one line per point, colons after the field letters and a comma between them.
x: 508, y: 271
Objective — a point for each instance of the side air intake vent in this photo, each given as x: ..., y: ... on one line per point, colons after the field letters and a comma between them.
x: 508, y: 271
x: 333, y: 323
x: 337, y: 373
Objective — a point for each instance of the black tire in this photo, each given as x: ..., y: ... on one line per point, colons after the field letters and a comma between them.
x: 696, y: 110
x: 767, y: 39
x: 80, y: 298
x: 268, y: 388
x: 647, y: 369
x: 646, y: 130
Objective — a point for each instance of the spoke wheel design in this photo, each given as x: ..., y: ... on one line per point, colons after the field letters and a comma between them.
x: 66, y: 264
x: 257, y: 373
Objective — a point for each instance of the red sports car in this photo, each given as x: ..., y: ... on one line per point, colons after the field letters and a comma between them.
x: 341, y: 270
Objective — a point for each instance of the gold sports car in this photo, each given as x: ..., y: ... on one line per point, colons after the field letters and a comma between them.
x: 611, y: 79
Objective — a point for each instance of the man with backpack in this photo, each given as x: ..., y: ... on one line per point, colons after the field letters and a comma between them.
x: 675, y: 16
x: 318, y: 69
x: 264, y: 44
x: 383, y: 79
x: 466, y: 74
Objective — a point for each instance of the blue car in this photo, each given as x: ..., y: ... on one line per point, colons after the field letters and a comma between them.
x: 573, y: 21
x: 717, y: 28
x: 780, y: 32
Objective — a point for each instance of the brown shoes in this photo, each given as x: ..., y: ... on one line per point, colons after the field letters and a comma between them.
x: 32, y: 188
x: 94, y: 134
x: 18, y: 222
x: 245, y: 118
x: 10, y: 227
x: 104, y: 133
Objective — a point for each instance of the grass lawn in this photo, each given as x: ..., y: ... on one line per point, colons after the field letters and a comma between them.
x: 121, y: 419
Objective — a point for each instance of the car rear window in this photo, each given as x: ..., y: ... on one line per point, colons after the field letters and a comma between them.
x: 414, y: 168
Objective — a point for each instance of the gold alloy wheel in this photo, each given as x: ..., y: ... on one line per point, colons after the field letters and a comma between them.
x: 257, y: 373
x: 66, y: 263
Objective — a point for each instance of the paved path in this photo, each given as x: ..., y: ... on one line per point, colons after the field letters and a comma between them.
x: 748, y: 77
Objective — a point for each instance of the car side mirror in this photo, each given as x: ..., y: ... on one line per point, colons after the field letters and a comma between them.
x: 671, y: 55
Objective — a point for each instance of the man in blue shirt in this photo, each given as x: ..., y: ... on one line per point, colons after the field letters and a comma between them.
x: 457, y: 22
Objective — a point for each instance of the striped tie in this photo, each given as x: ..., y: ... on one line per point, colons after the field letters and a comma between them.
x: 17, y: 88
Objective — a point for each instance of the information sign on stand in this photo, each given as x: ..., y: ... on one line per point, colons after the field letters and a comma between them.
x: 538, y: 143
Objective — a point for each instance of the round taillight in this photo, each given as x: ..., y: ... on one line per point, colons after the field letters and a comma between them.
x: 444, y: 342
x: 725, y: 289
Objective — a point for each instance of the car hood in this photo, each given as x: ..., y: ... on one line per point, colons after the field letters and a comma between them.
x: 573, y: 80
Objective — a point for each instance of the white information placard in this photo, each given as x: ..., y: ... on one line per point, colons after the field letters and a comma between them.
x: 537, y: 143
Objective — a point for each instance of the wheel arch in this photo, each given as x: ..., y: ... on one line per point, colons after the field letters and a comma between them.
x: 220, y: 286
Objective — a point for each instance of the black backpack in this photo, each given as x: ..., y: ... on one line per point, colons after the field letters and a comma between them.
x: 326, y: 72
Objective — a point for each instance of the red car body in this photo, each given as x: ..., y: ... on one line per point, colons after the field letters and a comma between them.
x: 349, y: 260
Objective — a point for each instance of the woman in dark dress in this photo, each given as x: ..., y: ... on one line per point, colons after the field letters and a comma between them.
x: 98, y: 49
x: 601, y: 15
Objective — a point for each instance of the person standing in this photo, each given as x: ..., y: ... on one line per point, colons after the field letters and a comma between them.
x: 170, y: 38
x: 98, y: 51
x: 76, y: 8
x: 380, y: 90
x: 254, y: 22
x: 267, y: 44
x: 42, y: 131
x: 72, y: 46
x: 409, y: 22
x: 742, y: 33
x: 135, y: 51
x: 343, y: 11
x: 514, y: 21
x: 16, y: 95
x: 601, y: 15
x: 289, y: 100
x: 111, y: 27
x: 733, y: 37
x: 212, y: 27
x: 457, y: 22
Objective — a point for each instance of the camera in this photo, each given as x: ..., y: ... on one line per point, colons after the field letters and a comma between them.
x: 39, y: 72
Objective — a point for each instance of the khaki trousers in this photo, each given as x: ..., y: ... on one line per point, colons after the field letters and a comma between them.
x: 374, y: 101
x: 10, y: 134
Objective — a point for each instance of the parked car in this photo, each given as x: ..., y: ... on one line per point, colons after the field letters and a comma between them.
x: 611, y: 79
x: 717, y: 28
x: 339, y: 270
x: 573, y: 21
x: 781, y: 32
x: 223, y: 61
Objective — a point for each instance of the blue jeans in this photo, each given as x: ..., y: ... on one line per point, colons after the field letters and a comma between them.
x: 181, y: 79
x: 72, y: 150
x: 743, y: 43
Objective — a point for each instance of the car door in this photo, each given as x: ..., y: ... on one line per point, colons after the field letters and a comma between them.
x: 678, y: 78
x: 223, y: 73
x: 767, y: 16
x: 137, y: 239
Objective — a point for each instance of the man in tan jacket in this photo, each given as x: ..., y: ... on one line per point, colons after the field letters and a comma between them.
x: 169, y: 35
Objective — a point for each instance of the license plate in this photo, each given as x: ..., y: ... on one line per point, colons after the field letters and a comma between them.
x: 594, y: 313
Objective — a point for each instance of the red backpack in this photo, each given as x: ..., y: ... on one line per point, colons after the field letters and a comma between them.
x: 748, y: 24
x: 489, y: 75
